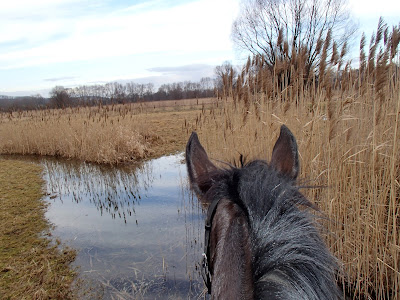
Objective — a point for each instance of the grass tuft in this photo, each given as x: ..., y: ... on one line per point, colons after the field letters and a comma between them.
x: 30, y: 265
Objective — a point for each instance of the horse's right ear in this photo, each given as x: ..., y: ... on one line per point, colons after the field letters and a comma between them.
x: 285, y: 158
x: 200, y: 168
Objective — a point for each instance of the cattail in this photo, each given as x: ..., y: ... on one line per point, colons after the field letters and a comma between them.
x: 258, y: 62
x: 345, y: 82
x: 322, y: 63
x: 286, y: 49
x: 294, y: 56
x: 371, y: 55
x: 380, y: 29
x: 280, y: 38
x: 328, y: 40
x: 386, y: 36
x: 394, y: 41
x: 342, y: 55
x: 319, y: 45
x: 335, y: 54
x: 362, y: 55
x: 344, y: 51
x: 248, y: 64
x: 302, y: 58
x: 381, y: 76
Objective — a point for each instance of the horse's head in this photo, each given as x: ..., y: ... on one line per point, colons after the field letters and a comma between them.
x: 259, y: 242
x: 203, y: 174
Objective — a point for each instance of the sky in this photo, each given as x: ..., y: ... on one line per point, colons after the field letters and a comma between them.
x: 44, y: 43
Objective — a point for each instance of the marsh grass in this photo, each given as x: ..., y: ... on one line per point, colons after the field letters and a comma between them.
x: 31, y: 266
x: 346, y: 122
x: 103, y: 134
x: 356, y: 163
x: 347, y: 128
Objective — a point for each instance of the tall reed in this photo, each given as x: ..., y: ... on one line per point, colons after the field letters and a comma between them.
x: 347, y: 126
x: 104, y: 134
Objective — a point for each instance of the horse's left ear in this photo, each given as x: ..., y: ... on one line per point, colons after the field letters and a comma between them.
x: 285, y: 158
x: 200, y: 168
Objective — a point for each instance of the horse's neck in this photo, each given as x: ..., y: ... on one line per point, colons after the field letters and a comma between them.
x: 230, y: 254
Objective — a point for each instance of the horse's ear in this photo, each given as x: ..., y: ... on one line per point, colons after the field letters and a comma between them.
x: 200, y: 168
x: 285, y: 158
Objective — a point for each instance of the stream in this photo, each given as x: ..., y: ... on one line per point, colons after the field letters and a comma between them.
x: 138, y: 229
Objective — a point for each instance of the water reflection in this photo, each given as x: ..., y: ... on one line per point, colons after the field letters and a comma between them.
x: 111, y: 190
x: 138, y: 229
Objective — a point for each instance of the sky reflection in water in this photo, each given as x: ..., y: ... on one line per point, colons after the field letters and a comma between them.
x: 138, y: 229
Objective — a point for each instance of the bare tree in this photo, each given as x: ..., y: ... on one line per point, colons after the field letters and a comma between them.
x: 59, y: 97
x: 283, y: 30
x: 226, y: 78
x: 206, y: 84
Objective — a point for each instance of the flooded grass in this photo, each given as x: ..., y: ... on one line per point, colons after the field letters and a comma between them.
x: 137, y: 229
x: 30, y: 265
x: 152, y: 271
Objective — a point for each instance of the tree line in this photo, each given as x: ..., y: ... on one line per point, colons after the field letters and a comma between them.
x: 119, y: 93
x: 112, y: 93
x: 9, y: 103
x: 302, y: 42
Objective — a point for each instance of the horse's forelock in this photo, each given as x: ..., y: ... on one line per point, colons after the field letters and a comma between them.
x: 284, y: 238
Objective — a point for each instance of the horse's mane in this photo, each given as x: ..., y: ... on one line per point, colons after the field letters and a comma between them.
x: 289, y: 259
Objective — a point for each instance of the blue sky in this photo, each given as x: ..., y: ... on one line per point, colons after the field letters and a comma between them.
x: 44, y: 43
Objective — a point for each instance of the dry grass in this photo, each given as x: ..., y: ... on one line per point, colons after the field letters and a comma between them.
x: 348, y: 136
x: 348, y: 143
x: 103, y: 134
x: 30, y: 267
x: 346, y: 123
x: 357, y: 162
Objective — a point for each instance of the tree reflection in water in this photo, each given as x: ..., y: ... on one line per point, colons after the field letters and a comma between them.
x: 138, y: 229
x: 111, y: 190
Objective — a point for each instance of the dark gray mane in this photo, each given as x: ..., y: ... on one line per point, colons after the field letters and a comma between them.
x: 279, y: 254
x: 290, y: 260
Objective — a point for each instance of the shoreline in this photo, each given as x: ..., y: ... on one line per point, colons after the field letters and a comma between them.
x: 32, y: 263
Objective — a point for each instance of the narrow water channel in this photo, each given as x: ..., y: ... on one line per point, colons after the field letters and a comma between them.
x: 138, y: 229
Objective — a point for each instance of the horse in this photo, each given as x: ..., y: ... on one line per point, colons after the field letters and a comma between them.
x: 261, y: 239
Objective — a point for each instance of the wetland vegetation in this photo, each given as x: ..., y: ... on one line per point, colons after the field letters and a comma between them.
x: 345, y: 119
x: 30, y: 264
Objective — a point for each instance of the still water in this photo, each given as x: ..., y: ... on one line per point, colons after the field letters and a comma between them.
x: 138, y: 229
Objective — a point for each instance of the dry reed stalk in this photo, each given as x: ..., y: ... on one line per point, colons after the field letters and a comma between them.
x: 103, y: 134
x: 361, y: 198
x: 349, y: 142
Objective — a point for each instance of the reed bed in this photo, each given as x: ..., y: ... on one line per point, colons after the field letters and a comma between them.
x: 347, y: 128
x: 345, y: 120
x: 104, y: 134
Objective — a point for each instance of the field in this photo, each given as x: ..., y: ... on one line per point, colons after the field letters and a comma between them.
x: 349, y: 156
x: 103, y: 134
x: 44, y: 272
x: 346, y: 123
x: 30, y: 264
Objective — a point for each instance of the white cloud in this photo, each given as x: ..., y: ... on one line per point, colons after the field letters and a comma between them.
x: 192, y: 27
x: 374, y: 9
x: 84, y: 41
x: 15, y: 6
